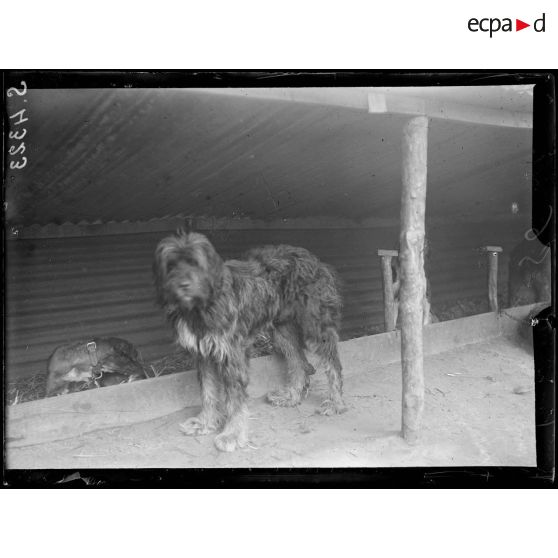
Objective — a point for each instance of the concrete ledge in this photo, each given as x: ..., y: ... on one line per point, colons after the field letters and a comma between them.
x: 67, y: 416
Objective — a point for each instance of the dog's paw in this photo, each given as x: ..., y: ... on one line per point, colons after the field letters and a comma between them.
x: 229, y: 441
x: 329, y: 407
x: 283, y: 398
x: 195, y: 426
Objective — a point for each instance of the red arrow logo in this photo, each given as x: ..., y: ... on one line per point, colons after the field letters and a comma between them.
x: 519, y: 25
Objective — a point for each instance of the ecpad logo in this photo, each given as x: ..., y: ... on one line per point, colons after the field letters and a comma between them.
x: 492, y: 25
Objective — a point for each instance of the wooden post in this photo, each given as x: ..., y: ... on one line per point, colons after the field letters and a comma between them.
x: 390, y: 310
x: 492, y: 254
x: 413, y: 282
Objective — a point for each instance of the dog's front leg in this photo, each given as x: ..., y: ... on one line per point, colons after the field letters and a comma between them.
x: 235, y: 381
x: 211, y: 417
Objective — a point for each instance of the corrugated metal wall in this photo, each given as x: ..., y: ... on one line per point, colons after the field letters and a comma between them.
x: 64, y: 289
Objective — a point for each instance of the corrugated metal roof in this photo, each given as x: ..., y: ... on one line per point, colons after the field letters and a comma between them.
x: 138, y: 154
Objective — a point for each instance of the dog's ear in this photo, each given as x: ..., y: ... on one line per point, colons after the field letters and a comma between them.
x: 215, y: 264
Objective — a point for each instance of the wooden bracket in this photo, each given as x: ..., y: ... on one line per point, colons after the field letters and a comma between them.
x: 390, y: 306
x: 492, y: 254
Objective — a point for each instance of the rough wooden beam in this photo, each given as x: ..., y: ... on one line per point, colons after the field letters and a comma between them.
x: 413, y: 282
x: 348, y: 97
x: 390, y: 310
x: 381, y: 103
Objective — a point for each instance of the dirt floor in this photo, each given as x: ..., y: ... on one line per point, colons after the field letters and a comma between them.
x: 479, y: 410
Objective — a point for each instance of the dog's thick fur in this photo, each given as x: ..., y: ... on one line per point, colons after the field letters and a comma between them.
x: 218, y: 307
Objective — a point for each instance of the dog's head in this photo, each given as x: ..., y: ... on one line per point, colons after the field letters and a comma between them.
x: 188, y: 271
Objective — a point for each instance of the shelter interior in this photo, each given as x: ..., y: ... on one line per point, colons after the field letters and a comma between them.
x: 112, y: 171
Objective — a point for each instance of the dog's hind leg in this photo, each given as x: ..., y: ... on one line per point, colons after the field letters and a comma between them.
x: 211, y: 417
x: 329, y: 360
x: 286, y: 341
x: 234, y: 372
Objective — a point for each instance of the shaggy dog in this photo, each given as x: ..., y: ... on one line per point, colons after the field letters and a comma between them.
x: 218, y: 307
x: 108, y: 361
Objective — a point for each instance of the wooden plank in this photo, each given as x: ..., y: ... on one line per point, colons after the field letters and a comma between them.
x: 493, y: 280
x: 413, y: 281
x: 392, y: 253
x: 384, y: 103
x: 492, y: 255
x: 492, y: 249
x: 67, y: 416
x: 348, y: 97
x: 390, y: 314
